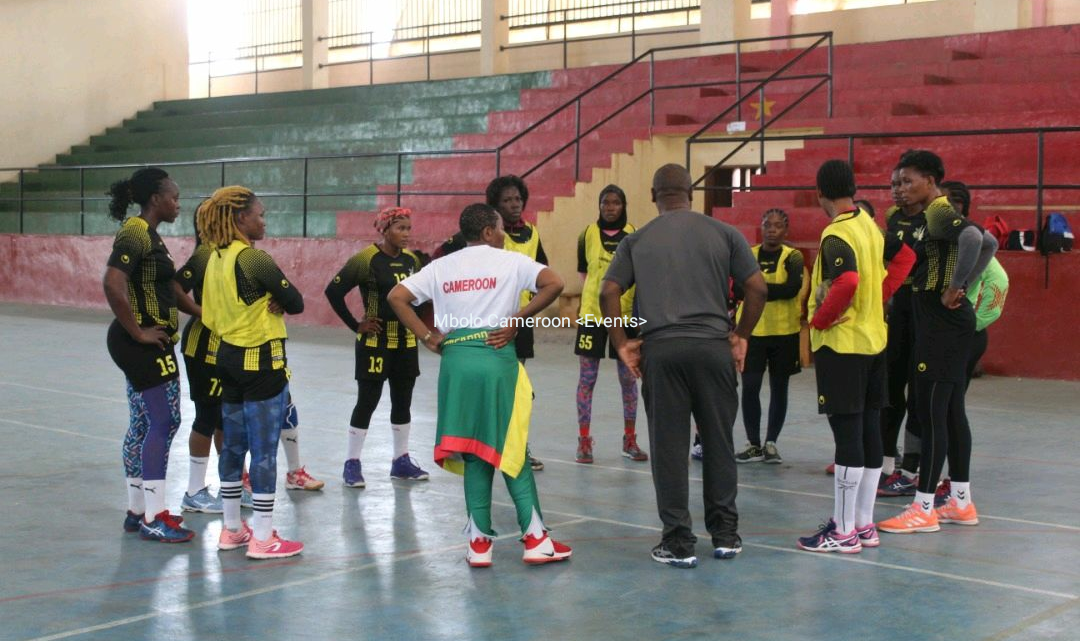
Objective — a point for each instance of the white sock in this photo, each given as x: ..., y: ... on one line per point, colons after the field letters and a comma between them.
x: 474, y: 532
x: 197, y: 474
x: 136, y: 502
x: 290, y: 441
x: 230, y: 502
x: 924, y: 501
x: 888, y: 466
x: 401, y: 439
x: 263, y: 516
x: 845, y: 486
x: 356, y: 443
x: 866, y: 495
x: 154, y: 495
x: 962, y: 493
x: 536, y: 526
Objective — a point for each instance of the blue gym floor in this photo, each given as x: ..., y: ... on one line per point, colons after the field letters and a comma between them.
x: 386, y: 562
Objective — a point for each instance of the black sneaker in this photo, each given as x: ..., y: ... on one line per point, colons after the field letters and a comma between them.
x: 771, y: 454
x: 729, y: 549
x: 751, y: 454
x: 662, y: 554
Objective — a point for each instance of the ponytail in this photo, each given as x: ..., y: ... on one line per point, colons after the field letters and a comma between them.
x: 138, y: 189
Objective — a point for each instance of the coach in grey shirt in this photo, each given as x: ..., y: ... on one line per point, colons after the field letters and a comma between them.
x: 688, y: 355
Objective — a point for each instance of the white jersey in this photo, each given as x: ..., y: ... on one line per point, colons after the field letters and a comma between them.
x: 477, y: 287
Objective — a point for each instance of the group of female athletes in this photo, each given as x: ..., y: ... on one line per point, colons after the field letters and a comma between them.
x: 234, y: 351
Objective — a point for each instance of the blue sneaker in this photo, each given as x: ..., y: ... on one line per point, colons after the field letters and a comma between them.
x: 132, y: 521
x: 676, y: 559
x: 352, y: 476
x: 897, y: 485
x: 202, y: 501
x: 406, y: 469
x: 729, y: 550
x: 165, y: 528
x: 827, y: 539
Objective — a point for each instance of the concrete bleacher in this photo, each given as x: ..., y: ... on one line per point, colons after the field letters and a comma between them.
x: 355, y: 120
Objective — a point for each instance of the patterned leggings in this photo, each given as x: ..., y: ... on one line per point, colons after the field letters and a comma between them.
x: 155, y: 417
x: 253, y: 426
x: 590, y: 369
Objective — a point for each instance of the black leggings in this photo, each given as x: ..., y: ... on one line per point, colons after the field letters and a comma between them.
x: 751, y: 405
x: 946, y: 432
x: 368, y: 393
x: 857, y: 438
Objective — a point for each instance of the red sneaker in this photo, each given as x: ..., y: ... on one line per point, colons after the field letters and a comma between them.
x: 478, y: 554
x: 544, y: 550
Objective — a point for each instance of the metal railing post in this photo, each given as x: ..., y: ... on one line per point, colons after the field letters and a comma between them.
x: 82, y: 202
x: 305, y: 196
x: 652, y: 89
x: 738, y: 80
x: 222, y: 174
x: 577, y: 138
x: 565, y: 64
x: 498, y: 162
x: 830, y: 71
x: 633, y: 33
x: 1039, y: 207
x: 761, y: 119
x: 371, y: 57
x: 398, y: 201
x: 209, y: 74
x: 22, y: 202
x: 427, y: 50
x: 851, y: 151
x: 256, y: 69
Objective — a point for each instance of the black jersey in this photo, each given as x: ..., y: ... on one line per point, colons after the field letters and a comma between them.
x: 375, y: 273
x: 908, y: 229
x: 197, y: 341
x: 936, y: 253
x: 139, y: 252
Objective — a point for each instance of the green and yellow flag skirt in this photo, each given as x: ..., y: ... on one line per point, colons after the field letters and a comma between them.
x: 485, y: 399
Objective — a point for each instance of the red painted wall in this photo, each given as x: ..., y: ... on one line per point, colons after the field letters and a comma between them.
x: 1035, y: 337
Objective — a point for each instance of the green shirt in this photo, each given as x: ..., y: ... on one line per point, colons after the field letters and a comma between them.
x: 988, y: 293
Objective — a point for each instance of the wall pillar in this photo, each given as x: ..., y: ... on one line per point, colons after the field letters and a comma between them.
x: 316, y: 23
x: 494, y: 33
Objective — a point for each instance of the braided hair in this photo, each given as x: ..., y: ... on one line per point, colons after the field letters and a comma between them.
x: 957, y: 193
x: 138, y: 189
x: 777, y: 211
x: 216, y: 216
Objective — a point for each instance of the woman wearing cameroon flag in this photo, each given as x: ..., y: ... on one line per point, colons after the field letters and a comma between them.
x: 485, y: 397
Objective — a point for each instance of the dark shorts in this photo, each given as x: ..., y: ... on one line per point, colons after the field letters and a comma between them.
x: 780, y: 354
x: 943, y: 338
x: 380, y: 363
x: 146, y: 366
x: 523, y: 343
x: 849, y: 383
x: 591, y: 340
x: 239, y: 384
x: 204, y: 383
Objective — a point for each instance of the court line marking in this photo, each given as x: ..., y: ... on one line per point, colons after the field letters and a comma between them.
x: 61, y: 431
x: 1031, y: 621
x: 68, y: 392
x: 162, y: 611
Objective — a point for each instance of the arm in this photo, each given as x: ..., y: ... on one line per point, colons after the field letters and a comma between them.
x: 541, y: 257
x: 755, y: 291
x: 116, y: 283
x: 629, y: 350
x: 186, y: 303
x: 839, y: 267
x: 899, y: 267
x: 974, y: 250
x: 260, y: 267
x: 401, y: 301
x: 789, y: 288
x: 548, y: 287
x: 351, y: 275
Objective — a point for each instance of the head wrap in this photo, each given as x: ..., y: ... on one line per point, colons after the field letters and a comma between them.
x: 619, y: 222
x: 389, y: 216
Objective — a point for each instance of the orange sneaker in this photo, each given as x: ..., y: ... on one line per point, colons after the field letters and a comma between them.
x: 911, y: 520
x: 951, y: 512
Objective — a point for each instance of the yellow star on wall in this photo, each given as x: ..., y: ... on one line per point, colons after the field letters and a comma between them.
x: 757, y: 108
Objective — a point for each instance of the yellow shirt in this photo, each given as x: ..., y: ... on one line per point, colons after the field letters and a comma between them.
x: 224, y: 312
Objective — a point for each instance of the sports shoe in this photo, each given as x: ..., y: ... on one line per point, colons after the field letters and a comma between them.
x: 751, y: 454
x: 728, y: 551
x: 953, y: 513
x: 696, y: 452
x: 406, y: 469
x: 478, y: 553
x: 299, y: 479
x: 245, y: 481
x: 230, y: 540
x: 352, y: 476
x: 535, y: 463
x: 831, y: 468
x: 274, y: 547
x: 132, y: 521
x: 631, y: 450
x: 868, y: 536
x: 544, y: 550
x: 245, y: 499
x: 584, y: 450
x: 663, y: 554
x: 202, y: 501
x: 771, y: 454
x: 827, y: 539
x: 165, y: 528
x: 942, y: 493
x: 910, y: 521
x: 896, y: 484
